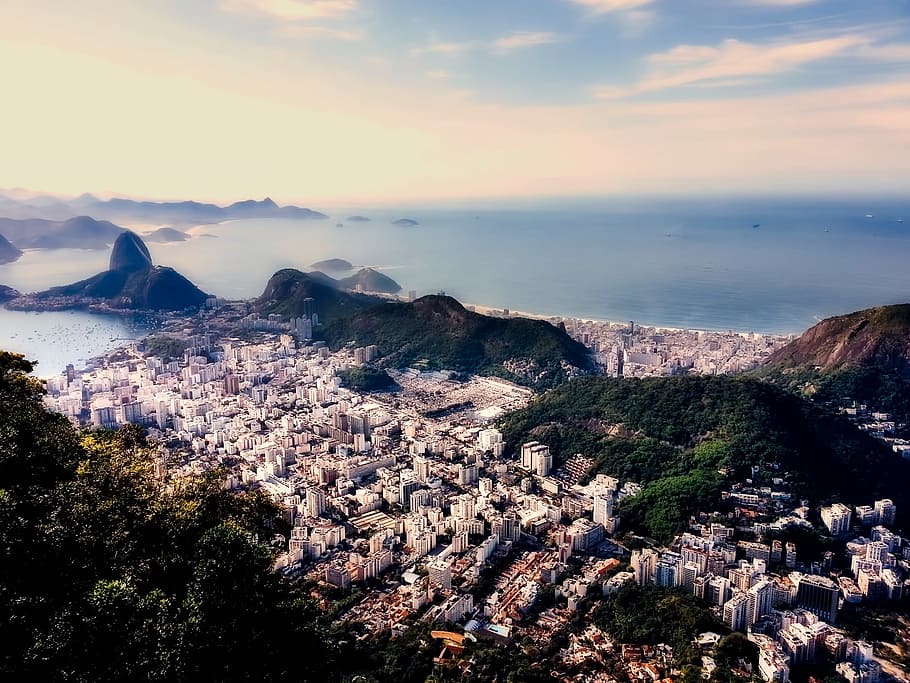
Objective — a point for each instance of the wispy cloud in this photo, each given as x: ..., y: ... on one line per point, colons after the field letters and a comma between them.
x: 293, y: 10
x: 730, y: 63
x: 524, y: 39
x: 441, y: 48
x: 519, y: 40
x: 438, y: 74
x: 607, y: 6
x: 633, y: 16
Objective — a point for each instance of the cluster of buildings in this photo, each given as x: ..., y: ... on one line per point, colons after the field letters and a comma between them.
x: 638, y: 351
x: 788, y: 607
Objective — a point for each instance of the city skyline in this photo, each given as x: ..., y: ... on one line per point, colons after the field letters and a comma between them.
x: 349, y: 100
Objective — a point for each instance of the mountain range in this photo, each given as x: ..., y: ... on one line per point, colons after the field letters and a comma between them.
x: 14, y: 205
x: 80, y: 232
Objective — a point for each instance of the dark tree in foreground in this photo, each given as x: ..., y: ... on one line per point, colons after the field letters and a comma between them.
x: 109, y: 573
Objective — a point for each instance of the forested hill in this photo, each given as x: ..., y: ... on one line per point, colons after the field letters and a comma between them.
x: 674, y: 434
x: 437, y: 332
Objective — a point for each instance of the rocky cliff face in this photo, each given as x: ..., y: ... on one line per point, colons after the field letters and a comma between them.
x: 874, y: 337
x: 130, y: 253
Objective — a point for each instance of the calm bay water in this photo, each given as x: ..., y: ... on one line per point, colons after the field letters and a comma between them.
x: 680, y: 263
x: 56, y: 338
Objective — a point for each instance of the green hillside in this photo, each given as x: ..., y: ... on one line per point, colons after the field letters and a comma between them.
x: 675, y: 434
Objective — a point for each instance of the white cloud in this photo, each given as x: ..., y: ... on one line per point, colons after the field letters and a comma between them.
x: 730, y: 62
x: 524, y: 39
x: 293, y: 10
x: 607, y: 6
x: 438, y: 74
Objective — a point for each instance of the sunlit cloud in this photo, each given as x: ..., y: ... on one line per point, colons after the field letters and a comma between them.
x: 293, y: 10
x: 730, y: 62
x: 438, y: 74
x: 526, y: 39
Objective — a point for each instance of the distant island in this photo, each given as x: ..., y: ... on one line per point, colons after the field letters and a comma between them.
x: 81, y: 232
x: 132, y: 282
x: 357, y: 219
x: 166, y: 235
x: 406, y: 222
x: 332, y: 264
x: 8, y: 253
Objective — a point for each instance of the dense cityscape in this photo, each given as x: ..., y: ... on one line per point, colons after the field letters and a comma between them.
x: 412, y: 502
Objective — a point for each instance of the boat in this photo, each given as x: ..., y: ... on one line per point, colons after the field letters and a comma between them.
x: 869, y: 215
x: 756, y: 225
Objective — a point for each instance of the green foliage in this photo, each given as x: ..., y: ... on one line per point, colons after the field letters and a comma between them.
x: 648, y: 615
x: 109, y: 574
x: 674, y: 434
x: 664, y: 505
x: 367, y: 378
x: 165, y: 347
x: 734, y: 647
x: 879, y: 387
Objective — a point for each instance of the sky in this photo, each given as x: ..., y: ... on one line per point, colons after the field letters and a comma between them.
x: 375, y: 101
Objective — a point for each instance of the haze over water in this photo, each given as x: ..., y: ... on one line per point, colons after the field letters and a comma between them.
x: 677, y: 263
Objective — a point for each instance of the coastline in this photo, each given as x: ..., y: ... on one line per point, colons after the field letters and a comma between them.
x: 103, y: 310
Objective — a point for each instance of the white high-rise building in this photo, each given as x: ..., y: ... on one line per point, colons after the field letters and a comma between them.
x: 885, y: 511
x: 837, y: 518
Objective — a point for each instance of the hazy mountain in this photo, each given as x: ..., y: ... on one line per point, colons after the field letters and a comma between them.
x: 21, y: 204
x: 369, y: 280
x: 193, y: 213
x: 333, y: 264
x: 406, y: 222
x: 81, y: 232
x: 8, y: 253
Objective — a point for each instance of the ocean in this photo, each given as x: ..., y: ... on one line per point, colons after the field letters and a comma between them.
x: 774, y: 265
